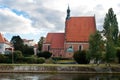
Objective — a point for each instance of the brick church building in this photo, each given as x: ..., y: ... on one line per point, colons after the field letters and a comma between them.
x: 75, y: 37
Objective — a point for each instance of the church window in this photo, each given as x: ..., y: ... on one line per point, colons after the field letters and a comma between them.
x: 48, y: 47
x: 80, y: 47
x: 70, y: 49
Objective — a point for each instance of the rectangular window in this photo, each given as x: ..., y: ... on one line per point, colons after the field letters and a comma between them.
x: 80, y: 47
x: 48, y: 47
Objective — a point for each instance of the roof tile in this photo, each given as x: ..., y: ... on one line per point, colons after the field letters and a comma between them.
x: 56, y: 40
x: 79, y: 29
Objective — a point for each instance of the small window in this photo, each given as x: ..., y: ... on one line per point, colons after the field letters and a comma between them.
x: 80, y: 47
x: 48, y: 47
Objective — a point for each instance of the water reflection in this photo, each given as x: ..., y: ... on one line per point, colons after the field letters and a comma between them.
x: 31, y: 76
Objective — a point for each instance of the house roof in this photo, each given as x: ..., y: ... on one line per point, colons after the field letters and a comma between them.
x: 2, y: 39
x: 55, y: 39
x: 78, y: 29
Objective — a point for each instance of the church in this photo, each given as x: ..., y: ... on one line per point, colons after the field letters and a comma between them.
x: 75, y: 37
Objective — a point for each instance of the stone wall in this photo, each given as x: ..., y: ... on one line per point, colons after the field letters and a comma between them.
x: 56, y: 69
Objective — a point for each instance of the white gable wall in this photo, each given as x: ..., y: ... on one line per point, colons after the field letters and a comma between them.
x: 3, y: 46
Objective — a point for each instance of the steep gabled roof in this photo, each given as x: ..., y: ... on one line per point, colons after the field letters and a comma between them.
x: 56, y: 40
x: 49, y: 38
x: 2, y: 39
x: 78, y: 29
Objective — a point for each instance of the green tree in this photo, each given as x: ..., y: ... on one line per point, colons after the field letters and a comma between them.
x: 96, y: 46
x: 40, y: 43
x: 111, y: 26
x: 17, y: 43
x: 111, y: 33
x: 80, y: 57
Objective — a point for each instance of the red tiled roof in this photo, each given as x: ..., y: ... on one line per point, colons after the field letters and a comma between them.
x: 78, y: 29
x: 49, y: 38
x: 56, y: 40
x: 2, y: 39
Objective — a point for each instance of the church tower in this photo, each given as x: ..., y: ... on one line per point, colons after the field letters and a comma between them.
x: 68, y: 13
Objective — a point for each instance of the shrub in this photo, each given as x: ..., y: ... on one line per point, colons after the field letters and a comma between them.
x: 33, y: 60
x: 2, y: 58
x: 28, y: 51
x: 118, y: 54
x: 30, y: 60
x: 80, y: 57
x: 45, y: 54
x: 40, y: 60
x: 17, y: 54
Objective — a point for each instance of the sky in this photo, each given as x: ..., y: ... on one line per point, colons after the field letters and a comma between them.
x: 31, y: 19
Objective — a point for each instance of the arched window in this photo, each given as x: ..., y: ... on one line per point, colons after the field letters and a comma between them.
x: 70, y: 49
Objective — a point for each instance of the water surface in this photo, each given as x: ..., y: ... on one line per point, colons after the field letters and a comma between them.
x: 31, y: 76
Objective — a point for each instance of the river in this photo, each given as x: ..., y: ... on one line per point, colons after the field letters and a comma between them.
x: 33, y: 76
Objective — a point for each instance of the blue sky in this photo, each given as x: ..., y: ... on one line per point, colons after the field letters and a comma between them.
x: 32, y: 19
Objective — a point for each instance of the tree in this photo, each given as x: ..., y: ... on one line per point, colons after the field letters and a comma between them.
x: 96, y: 46
x: 17, y: 43
x: 111, y: 26
x: 111, y: 33
x: 40, y: 43
x: 80, y: 57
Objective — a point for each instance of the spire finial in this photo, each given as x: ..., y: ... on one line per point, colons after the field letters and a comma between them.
x: 68, y: 13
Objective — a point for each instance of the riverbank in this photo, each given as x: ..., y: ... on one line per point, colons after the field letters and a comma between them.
x: 58, y: 68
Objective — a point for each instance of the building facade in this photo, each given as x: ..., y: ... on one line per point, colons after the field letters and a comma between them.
x: 4, y: 45
x: 75, y: 37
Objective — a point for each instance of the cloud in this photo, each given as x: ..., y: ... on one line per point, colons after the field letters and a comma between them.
x: 11, y: 22
x: 43, y: 16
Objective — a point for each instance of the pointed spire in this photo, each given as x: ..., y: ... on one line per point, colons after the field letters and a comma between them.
x: 68, y: 13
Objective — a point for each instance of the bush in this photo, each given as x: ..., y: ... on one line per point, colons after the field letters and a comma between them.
x: 45, y: 54
x: 30, y: 60
x: 17, y: 55
x: 33, y: 60
x: 2, y: 58
x: 40, y: 60
x: 80, y: 57
x: 28, y: 51
x: 118, y: 54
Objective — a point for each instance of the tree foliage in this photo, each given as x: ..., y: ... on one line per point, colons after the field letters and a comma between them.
x: 111, y: 33
x: 17, y: 43
x: 80, y: 57
x: 110, y: 52
x: 96, y: 46
x: 40, y: 43
x: 111, y: 26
